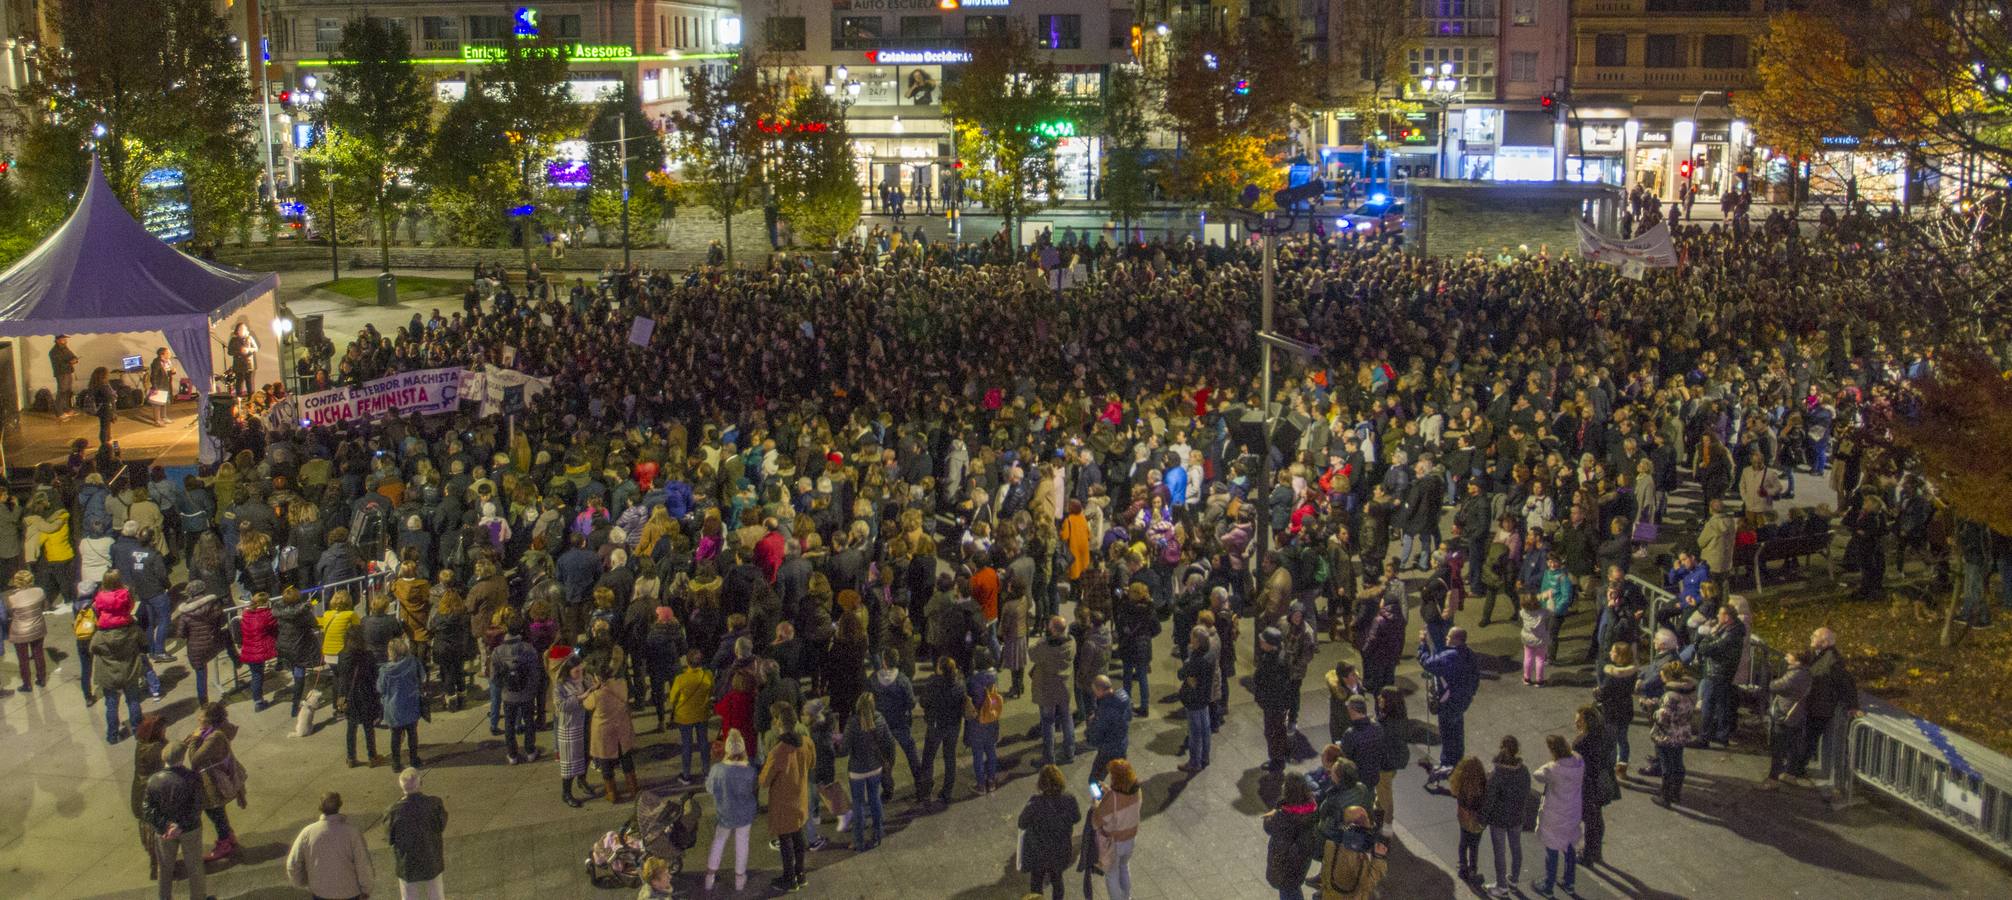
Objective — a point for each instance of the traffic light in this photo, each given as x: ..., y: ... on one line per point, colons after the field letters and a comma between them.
x: 285, y: 97
x: 1684, y: 169
x: 1549, y: 101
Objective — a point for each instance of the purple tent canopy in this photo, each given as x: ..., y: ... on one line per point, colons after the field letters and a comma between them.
x: 102, y: 272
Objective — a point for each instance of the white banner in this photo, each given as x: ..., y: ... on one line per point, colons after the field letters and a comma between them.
x: 419, y: 393
x: 406, y: 393
x: 504, y: 390
x: 1650, y: 249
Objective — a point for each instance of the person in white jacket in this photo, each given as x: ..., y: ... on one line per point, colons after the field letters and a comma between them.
x: 1560, y: 817
x: 328, y: 858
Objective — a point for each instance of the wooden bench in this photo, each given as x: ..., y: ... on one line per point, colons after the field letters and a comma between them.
x: 1754, y: 558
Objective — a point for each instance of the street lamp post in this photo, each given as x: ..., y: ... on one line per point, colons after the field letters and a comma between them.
x: 844, y: 89
x: 1441, y: 92
x: 316, y: 100
x: 1268, y: 227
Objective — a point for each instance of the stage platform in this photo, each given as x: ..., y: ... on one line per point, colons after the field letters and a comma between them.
x: 44, y: 438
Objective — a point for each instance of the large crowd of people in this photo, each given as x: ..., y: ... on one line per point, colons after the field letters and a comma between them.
x: 830, y: 497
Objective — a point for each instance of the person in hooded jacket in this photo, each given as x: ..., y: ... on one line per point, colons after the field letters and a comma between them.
x: 453, y: 645
x: 398, y: 689
x: 1558, y: 819
x: 1595, y: 746
x: 1048, y: 825
x: 362, y: 705
x: 1673, y: 730
x: 663, y: 653
x: 785, y: 778
x: 298, y: 645
x: 1615, y: 700
x: 1053, y: 660
x: 1199, y: 675
x: 257, y: 644
x: 1293, y: 839
x: 205, y: 631
x: 118, y: 650
x: 1504, y: 800
x: 210, y: 753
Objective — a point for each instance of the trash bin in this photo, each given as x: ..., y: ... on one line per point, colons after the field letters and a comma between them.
x: 387, y: 289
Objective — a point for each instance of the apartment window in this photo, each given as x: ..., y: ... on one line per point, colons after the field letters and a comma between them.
x: 785, y: 33
x: 1522, y: 65
x: 1448, y: 18
x: 1610, y: 50
x: 1523, y: 12
x: 859, y: 30
x: 1663, y: 51
x: 920, y: 27
x: 1121, y: 28
x: 439, y: 28
x: 561, y: 26
x: 978, y: 26
x: 489, y: 28
x: 1722, y: 51
x: 327, y: 34
x: 663, y: 32
x: 1061, y: 32
x: 1472, y: 67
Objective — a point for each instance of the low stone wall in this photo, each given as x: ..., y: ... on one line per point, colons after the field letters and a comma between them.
x: 677, y: 242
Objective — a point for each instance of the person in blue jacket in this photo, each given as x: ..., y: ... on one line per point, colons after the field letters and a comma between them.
x: 1459, y: 677
x: 1110, y: 724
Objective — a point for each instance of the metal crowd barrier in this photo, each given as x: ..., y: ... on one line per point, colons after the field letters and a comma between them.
x: 1917, y: 763
x: 1658, y: 598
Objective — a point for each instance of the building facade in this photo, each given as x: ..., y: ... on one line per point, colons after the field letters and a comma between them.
x: 1474, y: 73
x: 890, y: 60
x: 646, y: 44
x: 1651, y: 84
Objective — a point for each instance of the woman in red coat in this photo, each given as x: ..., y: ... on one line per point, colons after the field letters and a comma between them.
x: 258, y: 644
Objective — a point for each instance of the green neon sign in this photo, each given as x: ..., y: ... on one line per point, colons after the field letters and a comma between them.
x: 625, y: 57
x: 1058, y: 129
x: 486, y: 53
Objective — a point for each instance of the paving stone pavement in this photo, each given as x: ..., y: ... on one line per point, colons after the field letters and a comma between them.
x: 68, y: 831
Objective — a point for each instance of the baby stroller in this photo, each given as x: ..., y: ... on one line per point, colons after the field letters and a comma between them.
x: 664, y: 825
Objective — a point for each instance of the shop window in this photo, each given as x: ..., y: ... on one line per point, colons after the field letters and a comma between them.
x: 1610, y: 50
x: 1723, y: 51
x: 785, y: 33
x: 1663, y: 51
x: 1061, y: 32
x: 1522, y: 65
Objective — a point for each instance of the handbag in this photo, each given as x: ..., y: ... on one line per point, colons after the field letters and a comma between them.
x: 226, y: 777
x: 85, y: 625
x: 1645, y: 532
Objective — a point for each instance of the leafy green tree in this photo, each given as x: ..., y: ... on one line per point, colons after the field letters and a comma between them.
x: 1000, y: 104
x: 815, y: 182
x: 381, y: 109
x: 718, y: 143
x: 171, y: 93
x: 492, y: 144
x: 1233, y: 107
x: 1126, y: 123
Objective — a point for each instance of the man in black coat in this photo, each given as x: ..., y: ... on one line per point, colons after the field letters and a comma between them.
x: 1422, y: 499
x: 173, y: 808
x: 413, y: 828
x: 1273, y: 686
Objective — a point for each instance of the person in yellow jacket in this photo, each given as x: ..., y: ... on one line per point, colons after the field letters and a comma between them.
x: 691, y: 709
x: 45, y: 542
x: 335, y: 625
x: 1076, y: 537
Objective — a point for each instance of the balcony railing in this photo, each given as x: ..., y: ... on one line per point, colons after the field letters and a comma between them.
x: 897, y: 42
x: 1669, y: 7
x: 1453, y: 28
x: 447, y: 44
x: 1611, y: 77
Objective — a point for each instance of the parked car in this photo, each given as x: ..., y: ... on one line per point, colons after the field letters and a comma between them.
x: 1380, y: 213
